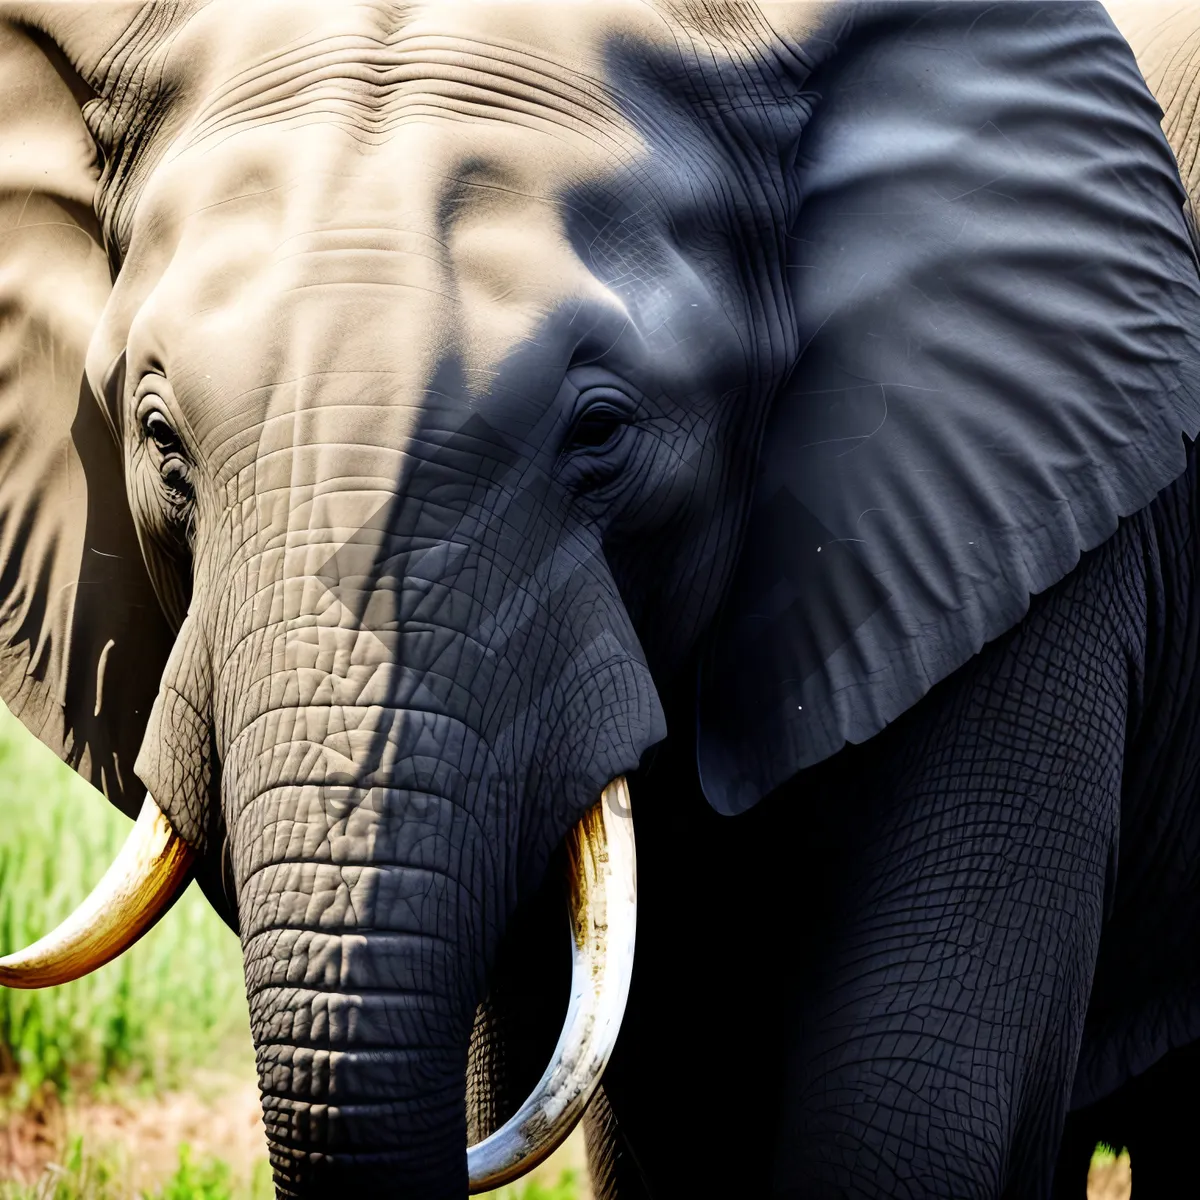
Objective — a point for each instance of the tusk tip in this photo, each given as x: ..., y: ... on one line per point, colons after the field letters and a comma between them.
x: 144, y: 880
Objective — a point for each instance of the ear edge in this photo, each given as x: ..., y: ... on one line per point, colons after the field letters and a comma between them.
x: 82, y: 639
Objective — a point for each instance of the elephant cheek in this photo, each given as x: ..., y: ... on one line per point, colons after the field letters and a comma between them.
x: 178, y: 761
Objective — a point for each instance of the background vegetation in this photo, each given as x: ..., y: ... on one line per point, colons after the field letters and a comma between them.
x: 173, y: 1001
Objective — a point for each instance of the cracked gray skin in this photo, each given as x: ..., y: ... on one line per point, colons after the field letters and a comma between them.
x: 438, y: 397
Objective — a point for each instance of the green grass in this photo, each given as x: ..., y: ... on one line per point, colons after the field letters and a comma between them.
x: 565, y: 1189
x: 145, y: 1018
x: 85, y: 1176
x: 1105, y: 1155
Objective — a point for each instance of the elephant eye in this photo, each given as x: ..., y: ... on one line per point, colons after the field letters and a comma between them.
x: 596, y: 428
x: 172, y: 460
x: 157, y: 429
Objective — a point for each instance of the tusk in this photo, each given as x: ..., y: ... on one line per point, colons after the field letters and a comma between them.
x: 144, y: 880
x: 602, y: 874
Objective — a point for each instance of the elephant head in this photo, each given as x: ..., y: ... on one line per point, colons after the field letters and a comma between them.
x: 396, y: 400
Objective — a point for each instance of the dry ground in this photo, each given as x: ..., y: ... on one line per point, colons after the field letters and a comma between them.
x: 219, y: 1116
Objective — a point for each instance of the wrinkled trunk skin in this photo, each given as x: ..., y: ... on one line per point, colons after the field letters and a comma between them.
x: 364, y: 945
x: 395, y: 775
x: 352, y: 929
x: 344, y: 1105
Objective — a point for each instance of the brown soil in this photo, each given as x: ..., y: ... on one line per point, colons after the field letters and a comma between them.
x: 28, y: 1141
x: 219, y: 1116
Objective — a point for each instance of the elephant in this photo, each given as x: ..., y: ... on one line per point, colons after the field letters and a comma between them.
x: 411, y: 412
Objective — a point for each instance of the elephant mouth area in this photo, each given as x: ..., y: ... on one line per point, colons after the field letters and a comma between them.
x: 517, y: 1020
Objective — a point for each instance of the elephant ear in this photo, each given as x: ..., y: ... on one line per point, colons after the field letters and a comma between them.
x: 82, y: 638
x: 998, y: 302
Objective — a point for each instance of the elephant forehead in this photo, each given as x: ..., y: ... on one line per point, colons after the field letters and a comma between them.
x: 343, y: 193
x: 214, y: 66
x: 187, y: 80
x: 321, y: 148
x: 283, y: 269
x: 371, y: 66
x: 472, y: 222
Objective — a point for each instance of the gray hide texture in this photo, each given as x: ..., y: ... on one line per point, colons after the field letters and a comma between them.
x: 997, y: 293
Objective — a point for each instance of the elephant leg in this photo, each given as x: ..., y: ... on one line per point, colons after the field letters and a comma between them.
x: 936, y: 1043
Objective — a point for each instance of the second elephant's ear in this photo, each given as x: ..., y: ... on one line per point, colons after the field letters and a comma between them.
x: 82, y: 637
x: 998, y: 304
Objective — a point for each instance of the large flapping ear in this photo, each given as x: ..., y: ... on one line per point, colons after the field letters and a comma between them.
x: 82, y: 638
x: 998, y: 301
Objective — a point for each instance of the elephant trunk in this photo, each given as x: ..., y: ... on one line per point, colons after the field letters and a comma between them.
x: 362, y: 1078
x: 395, y: 763
x: 364, y: 950
x: 361, y: 1002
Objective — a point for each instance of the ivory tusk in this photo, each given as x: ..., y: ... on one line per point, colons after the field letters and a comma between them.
x: 144, y: 880
x: 602, y: 870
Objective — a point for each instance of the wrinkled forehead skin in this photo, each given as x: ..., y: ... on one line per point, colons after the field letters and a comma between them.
x: 265, y: 160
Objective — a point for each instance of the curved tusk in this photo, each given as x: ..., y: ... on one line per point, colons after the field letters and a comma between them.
x: 602, y: 870
x: 144, y: 880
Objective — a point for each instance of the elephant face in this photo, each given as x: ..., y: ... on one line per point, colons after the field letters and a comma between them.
x: 437, y: 372
x: 403, y: 401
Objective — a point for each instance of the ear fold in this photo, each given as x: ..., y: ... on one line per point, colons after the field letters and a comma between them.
x: 82, y: 638
x: 999, y: 304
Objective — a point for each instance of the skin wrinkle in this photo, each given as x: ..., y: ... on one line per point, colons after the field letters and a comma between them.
x: 403, y: 848
x: 500, y: 94
x: 327, y: 915
x: 352, y: 804
x: 390, y: 520
x: 328, y: 1026
x: 375, y: 640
